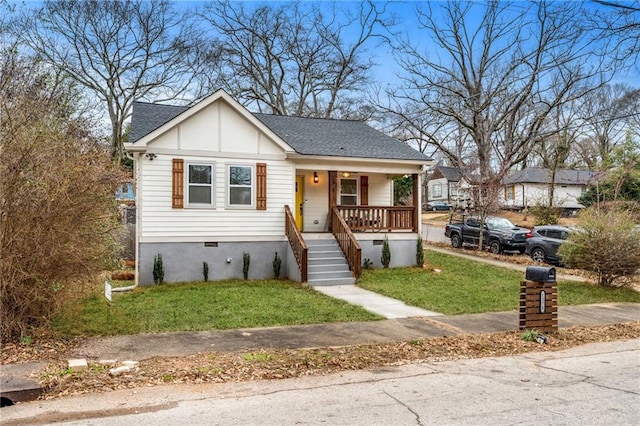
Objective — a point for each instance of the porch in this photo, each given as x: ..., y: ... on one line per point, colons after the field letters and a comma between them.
x: 355, y: 244
x: 346, y: 203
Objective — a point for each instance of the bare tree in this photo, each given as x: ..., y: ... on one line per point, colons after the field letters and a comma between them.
x: 295, y: 59
x: 605, y: 116
x: 118, y: 50
x: 494, y: 72
x: 619, y: 24
x: 556, y: 151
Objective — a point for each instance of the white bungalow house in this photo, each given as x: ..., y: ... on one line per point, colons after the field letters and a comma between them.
x: 447, y: 184
x: 214, y: 181
x: 531, y: 186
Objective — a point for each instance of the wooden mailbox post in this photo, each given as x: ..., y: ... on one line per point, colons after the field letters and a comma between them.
x: 539, y: 300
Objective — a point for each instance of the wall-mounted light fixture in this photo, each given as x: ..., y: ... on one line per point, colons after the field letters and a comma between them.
x: 315, y: 177
x: 346, y: 174
x: 150, y: 156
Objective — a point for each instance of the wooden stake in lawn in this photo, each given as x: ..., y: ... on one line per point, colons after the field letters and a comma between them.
x: 107, y: 295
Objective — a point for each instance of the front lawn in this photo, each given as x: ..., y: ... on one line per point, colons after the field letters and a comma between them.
x: 205, y: 306
x: 465, y: 286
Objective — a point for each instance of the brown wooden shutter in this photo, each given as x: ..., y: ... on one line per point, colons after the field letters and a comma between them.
x: 178, y: 184
x: 364, y: 190
x: 261, y: 186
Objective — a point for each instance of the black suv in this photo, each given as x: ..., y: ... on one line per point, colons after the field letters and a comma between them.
x: 543, y: 242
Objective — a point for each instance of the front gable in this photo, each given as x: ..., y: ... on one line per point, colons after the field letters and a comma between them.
x: 217, y: 124
x: 217, y: 129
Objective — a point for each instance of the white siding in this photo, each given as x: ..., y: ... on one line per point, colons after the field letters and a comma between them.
x: 538, y: 193
x: 380, y: 190
x: 221, y: 136
x: 444, y: 189
x: 316, y: 204
x: 161, y: 222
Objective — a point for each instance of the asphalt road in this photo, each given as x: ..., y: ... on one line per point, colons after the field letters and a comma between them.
x: 592, y: 384
x: 434, y: 233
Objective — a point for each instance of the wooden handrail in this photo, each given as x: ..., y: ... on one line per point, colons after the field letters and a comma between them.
x: 347, y: 242
x: 298, y: 245
x: 379, y: 218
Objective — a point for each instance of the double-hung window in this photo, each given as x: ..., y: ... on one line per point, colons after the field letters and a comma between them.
x: 240, y: 186
x: 437, y: 190
x: 510, y: 192
x: 348, y: 192
x: 200, y: 184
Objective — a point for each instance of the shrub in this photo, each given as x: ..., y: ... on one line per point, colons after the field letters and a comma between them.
x: 246, y: 261
x: 419, y: 253
x: 367, y: 264
x: 386, y: 253
x: 158, y: 269
x: 205, y: 271
x: 277, y: 264
x: 606, y: 244
x: 59, y: 219
x: 545, y: 215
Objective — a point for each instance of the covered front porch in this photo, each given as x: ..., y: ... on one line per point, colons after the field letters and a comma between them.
x: 356, y: 209
x: 364, y: 200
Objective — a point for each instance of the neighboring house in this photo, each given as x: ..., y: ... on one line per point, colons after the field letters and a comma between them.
x: 214, y: 181
x: 125, y: 194
x: 531, y: 186
x: 126, y: 200
x: 447, y: 184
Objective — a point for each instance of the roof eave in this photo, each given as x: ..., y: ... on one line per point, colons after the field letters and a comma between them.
x: 340, y: 159
x: 132, y: 147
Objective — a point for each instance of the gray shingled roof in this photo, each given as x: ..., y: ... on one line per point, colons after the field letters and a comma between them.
x: 308, y: 136
x: 452, y: 174
x: 145, y: 118
x: 563, y: 176
x: 341, y: 138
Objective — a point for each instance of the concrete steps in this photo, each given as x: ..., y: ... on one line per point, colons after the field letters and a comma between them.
x: 327, y: 265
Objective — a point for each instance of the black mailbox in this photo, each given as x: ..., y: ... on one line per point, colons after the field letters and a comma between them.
x: 541, y: 274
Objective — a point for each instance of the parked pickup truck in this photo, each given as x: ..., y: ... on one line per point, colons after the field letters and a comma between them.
x: 499, y: 234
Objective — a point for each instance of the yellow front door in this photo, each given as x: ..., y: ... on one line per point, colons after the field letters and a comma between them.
x: 299, y: 200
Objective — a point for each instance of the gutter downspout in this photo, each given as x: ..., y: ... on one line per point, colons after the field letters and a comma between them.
x: 136, y: 163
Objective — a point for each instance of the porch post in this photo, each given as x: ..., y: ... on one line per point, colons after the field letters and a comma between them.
x: 333, y: 194
x: 416, y: 201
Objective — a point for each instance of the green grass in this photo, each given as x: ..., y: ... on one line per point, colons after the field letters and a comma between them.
x: 204, y: 306
x: 466, y: 286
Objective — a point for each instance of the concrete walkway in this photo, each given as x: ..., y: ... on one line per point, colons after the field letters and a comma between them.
x: 374, y: 302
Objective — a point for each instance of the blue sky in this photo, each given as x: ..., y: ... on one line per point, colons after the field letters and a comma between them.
x: 405, y: 12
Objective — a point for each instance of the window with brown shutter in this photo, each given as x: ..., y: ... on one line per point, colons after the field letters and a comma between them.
x: 261, y: 186
x: 178, y: 184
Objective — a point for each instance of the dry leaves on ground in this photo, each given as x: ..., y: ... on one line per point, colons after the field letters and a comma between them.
x: 213, y: 367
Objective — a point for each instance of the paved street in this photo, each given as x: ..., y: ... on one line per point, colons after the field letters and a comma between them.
x: 434, y: 233
x: 592, y: 384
